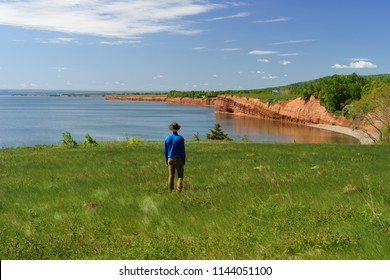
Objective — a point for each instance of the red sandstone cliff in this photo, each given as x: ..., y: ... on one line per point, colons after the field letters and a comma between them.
x: 174, y: 100
x: 297, y: 110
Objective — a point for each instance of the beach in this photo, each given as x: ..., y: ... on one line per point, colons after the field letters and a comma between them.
x: 360, y: 135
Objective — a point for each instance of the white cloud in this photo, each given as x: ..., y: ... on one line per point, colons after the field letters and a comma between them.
x: 284, y: 62
x: 58, y: 69
x: 362, y: 64
x: 260, y: 52
x: 60, y: 40
x: 289, y: 54
x: 239, y: 15
x: 293, y: 42
x: 280, y: 19
x: 116, y: 18
x: 263, y: 60
x: 158, y: 77
x: 270, y: 77
x: 119, y: 42
x: 199, y: 48
x: 230, y: 49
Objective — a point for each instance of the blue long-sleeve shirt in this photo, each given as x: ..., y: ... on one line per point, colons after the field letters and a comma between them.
x: 174, y: 147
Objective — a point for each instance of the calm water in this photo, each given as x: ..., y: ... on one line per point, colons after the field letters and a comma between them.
x: 31, y: 120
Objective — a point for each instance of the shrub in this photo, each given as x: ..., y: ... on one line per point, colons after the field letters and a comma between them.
x: 134, y: 141
x: 89, y: 141
x: 68, y: 140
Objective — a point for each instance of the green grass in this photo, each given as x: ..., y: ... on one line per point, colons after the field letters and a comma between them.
x: 269, y: 97
x: 241, y: 201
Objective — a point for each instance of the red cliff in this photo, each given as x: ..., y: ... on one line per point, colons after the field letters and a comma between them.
x: 296, y: 110
x: 169, y: 100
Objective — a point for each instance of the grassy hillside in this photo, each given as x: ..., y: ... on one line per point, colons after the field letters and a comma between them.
x: 241, y: 201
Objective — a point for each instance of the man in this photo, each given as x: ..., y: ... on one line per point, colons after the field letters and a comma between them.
x: 175, y: 156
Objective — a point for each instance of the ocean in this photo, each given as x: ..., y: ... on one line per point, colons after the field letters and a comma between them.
x: 27, y: 120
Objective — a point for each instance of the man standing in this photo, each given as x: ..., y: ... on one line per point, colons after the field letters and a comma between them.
x: 175, y: 156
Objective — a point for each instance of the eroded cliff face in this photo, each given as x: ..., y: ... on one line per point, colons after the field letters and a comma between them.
x: 191, y: 101
x: 175, y: 100
x: 297, y: 110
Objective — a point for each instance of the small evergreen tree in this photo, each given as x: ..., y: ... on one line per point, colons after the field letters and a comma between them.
x: 196, y: 137
x: 217, y: 134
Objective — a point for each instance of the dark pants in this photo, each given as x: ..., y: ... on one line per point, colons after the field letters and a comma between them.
x: 173, y: 165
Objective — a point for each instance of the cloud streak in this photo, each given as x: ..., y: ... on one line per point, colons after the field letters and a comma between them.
x: 280, y: 19
x: 293, y: 42
x: 361, y: 64
x: 230, y: 49
x: 285, y: 62
x: 239, y: 15
x: 262, y: 52
x: 122, y: 19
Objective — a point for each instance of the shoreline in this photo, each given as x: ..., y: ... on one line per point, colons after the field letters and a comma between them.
x: 358, y: 134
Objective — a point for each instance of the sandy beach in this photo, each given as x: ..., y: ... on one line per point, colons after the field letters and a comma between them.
x: 360, y: 135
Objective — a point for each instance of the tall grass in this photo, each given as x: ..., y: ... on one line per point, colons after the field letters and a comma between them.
x: 241, y: 201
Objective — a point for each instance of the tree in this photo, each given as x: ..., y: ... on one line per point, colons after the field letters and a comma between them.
x: 337, y: 91
x: 374, y: 110
x: 89, y: 141
x: 68, y: 140
x: 217, y: 134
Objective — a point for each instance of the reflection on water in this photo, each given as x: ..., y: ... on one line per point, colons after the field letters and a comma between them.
x: 275, y: 131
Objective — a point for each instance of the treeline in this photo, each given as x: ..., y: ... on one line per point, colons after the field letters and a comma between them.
x: 213, y: 94
x: 338, y: 92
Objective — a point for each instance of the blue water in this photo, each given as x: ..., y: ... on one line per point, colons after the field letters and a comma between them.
x: 32, y: 120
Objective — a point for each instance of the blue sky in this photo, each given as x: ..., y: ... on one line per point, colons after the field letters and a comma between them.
x: 188, y: 44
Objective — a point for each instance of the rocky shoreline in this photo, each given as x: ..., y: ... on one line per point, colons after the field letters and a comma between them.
x: 308, y: 112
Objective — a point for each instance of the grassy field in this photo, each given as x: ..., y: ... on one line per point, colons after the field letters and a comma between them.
x: 241, y: 201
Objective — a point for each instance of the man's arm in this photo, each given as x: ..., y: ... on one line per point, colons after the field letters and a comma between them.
x: 184, y: 151
x: 166, y: 152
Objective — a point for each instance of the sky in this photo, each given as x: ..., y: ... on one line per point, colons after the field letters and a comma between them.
x: 151, y: 45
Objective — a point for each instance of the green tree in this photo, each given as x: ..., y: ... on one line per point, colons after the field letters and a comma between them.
x: 217, y: 134
x: 337, y: 91
x: 89, y: 141
x: 68, y: 140
x: 374, y: 110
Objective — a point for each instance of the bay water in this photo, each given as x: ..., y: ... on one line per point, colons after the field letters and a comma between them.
x: 27, y: 120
